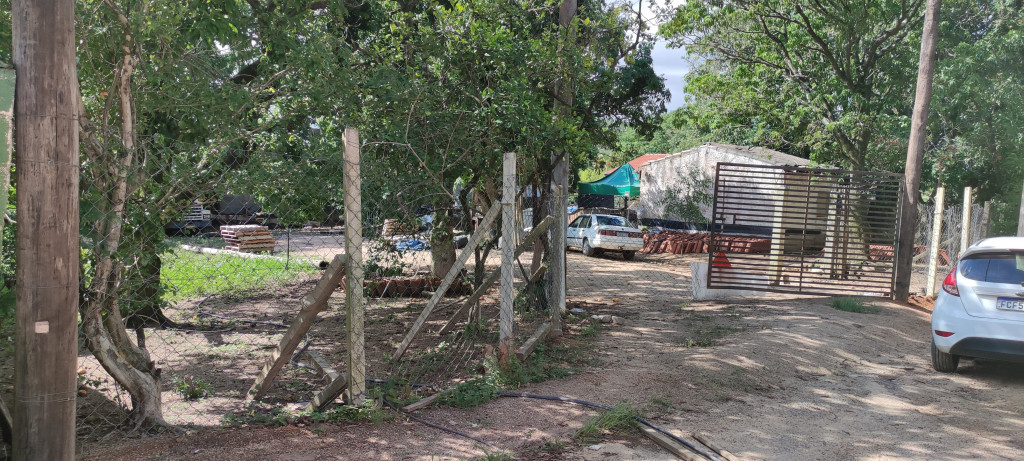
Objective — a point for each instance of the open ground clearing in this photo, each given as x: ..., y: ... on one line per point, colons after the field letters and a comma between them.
x: 780, y: 377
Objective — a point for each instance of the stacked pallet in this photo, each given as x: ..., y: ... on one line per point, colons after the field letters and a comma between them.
x: 247, y: 238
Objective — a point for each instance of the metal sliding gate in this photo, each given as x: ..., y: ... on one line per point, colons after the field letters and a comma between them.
x: 804, y: 230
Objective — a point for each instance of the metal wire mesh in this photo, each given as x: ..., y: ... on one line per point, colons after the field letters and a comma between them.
x: 208, y: 274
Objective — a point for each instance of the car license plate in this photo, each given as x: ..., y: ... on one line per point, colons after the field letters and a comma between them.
x: 1010, y: 304
x: 622, y: 234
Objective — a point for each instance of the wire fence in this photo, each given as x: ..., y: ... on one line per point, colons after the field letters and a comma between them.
x: 218, y: 291
x: 201, y: 273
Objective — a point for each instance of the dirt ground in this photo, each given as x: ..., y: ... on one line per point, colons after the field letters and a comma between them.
x: 777, y: 377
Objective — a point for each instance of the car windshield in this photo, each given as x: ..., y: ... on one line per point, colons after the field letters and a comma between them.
x: 994, y: 267
x: 610, y: 221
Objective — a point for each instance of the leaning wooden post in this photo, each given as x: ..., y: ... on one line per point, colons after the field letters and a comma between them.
x: 508, y: 248
x: 46, y: 316
x: 986, y: 218
x: 356, y: 392
x: 965, y: 227
x: 935, y: 242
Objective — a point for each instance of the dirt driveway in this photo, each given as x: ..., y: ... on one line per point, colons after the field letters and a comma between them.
x: 765, y: 378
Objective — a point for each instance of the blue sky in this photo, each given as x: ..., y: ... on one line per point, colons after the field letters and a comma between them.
x: 671, y: 64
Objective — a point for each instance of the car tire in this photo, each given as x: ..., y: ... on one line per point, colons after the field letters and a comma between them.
x: 628, y: 255
x: 587, y: 249
x: 944, y: 362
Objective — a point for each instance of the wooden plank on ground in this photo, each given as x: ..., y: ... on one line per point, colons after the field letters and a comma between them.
x: 721, y: 451
x: 681, y: 451
x: 485, y: 225
x: 422, y: 403
x: 328, y: 394
x: 530, y: 344
x: 313, y: 303
x: 321, y: 364
x: 493, y: 276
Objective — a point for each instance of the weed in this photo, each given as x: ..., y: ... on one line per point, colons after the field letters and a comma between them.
x: 254, y: 416
x: 591, y: 330
x: 496, y: 456
x: 472, y: 393
x: 371, y: 411
x: 853, y: 305
x: 190, y: 387
x: 621, y: 418
x: 555, y: 447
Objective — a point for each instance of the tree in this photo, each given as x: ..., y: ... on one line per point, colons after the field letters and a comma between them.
x: 827, y: 75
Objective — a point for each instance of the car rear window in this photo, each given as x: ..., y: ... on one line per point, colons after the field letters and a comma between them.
x: 993, y: 267
x: 610, y: 221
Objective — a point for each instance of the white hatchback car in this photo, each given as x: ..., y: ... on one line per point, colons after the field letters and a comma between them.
x: 979, y: 312
x: 594, y: 233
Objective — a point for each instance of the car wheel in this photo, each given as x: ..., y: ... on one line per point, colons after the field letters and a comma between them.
x: 942, y: 361
x: 628, y: 255
x: 587, y: 249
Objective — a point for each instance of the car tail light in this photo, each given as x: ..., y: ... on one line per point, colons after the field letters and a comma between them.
x: 635, y: 235
x: 944, y: 334
x: 949, y: 285
x: 606, y: 232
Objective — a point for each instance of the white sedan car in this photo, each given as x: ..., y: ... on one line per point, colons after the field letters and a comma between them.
x: 594, y: 233
x: 980, y: 310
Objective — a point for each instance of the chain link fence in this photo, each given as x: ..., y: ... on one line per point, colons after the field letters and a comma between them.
x: 203, y: 276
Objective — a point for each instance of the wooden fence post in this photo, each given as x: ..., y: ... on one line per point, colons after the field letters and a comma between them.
x: 508, y: 248
x: 986, y: 218
x: 356, y: 392
x: 47, y: 166
x: 933, y: 246
x: 556, y: 303
x: 965, y: 228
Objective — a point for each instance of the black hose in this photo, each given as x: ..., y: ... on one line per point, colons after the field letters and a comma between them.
x: 438, y: 426
x: 585, y: 403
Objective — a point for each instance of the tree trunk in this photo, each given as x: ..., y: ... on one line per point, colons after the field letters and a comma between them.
x: 442, y: 247
x: 102, y: 323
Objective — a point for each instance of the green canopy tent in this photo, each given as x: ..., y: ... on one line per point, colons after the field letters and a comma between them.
x: 624, y: 181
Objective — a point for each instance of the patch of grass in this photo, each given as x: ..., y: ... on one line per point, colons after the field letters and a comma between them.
x: 619, y: 419
x: 546, y: 362
x: 853, y: 305
x: 190, y: 387
x: 187, y: 274
x: 496, y: 456
x: 708, y: 337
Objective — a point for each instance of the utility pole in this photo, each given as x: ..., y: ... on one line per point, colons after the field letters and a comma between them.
x: 915, y: 151
x: 47, y: 166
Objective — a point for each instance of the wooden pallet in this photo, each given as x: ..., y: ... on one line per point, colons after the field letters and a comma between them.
x: 247, y: 238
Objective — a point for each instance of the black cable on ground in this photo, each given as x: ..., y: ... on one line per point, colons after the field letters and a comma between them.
x: 438, y: 426
x: 605, y: 407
